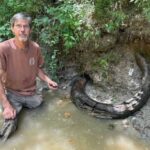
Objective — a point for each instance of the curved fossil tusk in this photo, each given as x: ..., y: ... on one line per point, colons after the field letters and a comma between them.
x: 116, y: 111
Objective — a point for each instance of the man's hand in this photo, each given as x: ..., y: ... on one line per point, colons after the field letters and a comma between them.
x: 9, y: 112
x: 52, y: 85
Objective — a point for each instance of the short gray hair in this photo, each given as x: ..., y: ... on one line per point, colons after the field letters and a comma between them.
x: 21, y: 15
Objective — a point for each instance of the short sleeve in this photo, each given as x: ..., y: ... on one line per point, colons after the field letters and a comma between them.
x: 40, y: 59
x: 2, y: 59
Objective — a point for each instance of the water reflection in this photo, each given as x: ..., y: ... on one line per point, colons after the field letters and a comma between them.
x: 59, y: 125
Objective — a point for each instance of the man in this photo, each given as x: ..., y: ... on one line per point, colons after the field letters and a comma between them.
x: 20, y: 64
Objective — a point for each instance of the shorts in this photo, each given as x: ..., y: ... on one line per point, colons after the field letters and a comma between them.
x: 20, y: 101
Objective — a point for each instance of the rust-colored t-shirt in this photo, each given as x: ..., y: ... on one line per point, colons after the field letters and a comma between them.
x: 21, y: 66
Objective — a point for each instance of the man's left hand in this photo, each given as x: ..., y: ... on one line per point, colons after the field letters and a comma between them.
x: 52, y: 85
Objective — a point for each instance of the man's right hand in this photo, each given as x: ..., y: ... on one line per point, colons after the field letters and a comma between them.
x: 9, y: 112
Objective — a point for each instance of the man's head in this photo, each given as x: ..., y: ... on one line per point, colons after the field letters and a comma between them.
x: 21, y: 16
x: 21, y: 26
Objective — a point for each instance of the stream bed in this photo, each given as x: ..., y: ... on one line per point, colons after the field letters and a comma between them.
x: 59, y: 125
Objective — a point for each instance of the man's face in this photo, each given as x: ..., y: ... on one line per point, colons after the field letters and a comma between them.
x: 21, y: 30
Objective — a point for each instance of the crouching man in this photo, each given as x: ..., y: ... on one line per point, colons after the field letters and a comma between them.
x: 20, y: 63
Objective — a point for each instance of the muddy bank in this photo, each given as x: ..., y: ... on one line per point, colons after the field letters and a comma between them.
x: 121, y: 81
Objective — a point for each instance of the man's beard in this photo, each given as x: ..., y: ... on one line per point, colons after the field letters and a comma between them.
x: 23, y: 38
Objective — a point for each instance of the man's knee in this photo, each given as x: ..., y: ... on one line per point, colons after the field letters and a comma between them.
x: 38, y: 100
x: 34, y: 101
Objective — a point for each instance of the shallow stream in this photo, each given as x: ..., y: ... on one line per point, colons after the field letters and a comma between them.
x: 59, y: 125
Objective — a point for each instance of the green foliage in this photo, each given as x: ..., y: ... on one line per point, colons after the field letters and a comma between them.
x: 139, y: 3
x: 146, y: 9
x: 105, y: 61
x: 104, y: 66
x: 62, y: 29
x: 115, y: 22
x: 146, y: 12
x: 102, y: 8
x: 60, y: 25
x: 51, y: 63
x: 5, y: 32
x: 110, y: 14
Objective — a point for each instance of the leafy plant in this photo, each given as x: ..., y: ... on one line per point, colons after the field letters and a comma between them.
x: 110, y: 14
x: 105, y: 61
x: 59, y: 25
x: 104, y: 66
x: 117, y: 19
x: 5, y: 32
x: 62, y: 29
x: 51, y: 63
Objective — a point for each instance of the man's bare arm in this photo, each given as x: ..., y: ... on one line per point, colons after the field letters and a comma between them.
x: 8, y: 111
x: 51, y: 84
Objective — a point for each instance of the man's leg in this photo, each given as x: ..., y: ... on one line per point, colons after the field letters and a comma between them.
x: 33, y: 101
x: 10, y: 125
x: 16, y: 101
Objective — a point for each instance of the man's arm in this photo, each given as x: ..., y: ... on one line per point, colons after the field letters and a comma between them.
x: 8, y: 111
x: 51, y: 84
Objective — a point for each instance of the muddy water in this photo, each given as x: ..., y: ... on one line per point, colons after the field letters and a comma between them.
x: 59, y: 125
